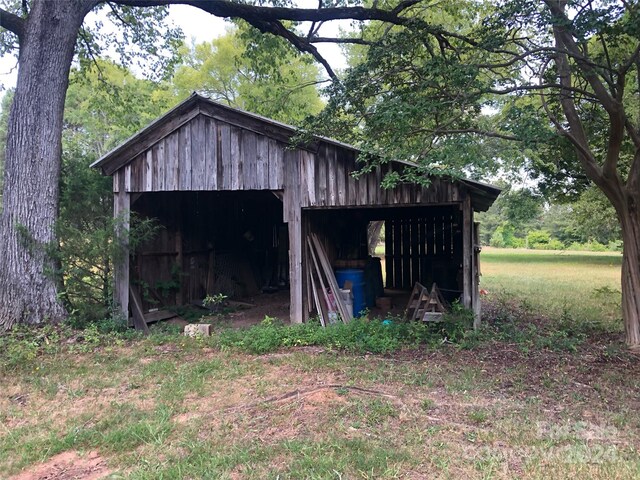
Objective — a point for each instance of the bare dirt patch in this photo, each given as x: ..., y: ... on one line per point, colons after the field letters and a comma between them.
x: 68, y: 466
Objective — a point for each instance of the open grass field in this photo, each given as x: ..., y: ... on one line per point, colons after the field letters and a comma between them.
x: 530, y: 396
x: 584, y: 286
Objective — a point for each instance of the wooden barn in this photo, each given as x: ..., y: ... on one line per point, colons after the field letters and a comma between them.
x: 237, y: 203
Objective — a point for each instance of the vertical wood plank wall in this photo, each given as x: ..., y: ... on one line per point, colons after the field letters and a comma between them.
x: 424, y: 248
x: 207, y: 154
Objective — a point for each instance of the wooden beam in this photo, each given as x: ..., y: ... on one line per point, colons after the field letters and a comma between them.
x: 293, y: 216
x: 138, y: 315
x: 321, y: 284
x: 121, y: 212
x: 295, y: 266
x: 467, y: 250
x: 345, y: 314
x: 477, y: 307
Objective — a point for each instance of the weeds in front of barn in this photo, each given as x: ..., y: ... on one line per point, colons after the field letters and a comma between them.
x: 532, y: 394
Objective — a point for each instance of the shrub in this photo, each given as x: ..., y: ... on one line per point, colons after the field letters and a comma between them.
x: 504, y: 237
x: 554, y: 244
x: 497, y: 239
x: 538, y: 239
x: 358, y: 336
x: 517, y: 242
x: 615, y: 246
x: 594, y: 246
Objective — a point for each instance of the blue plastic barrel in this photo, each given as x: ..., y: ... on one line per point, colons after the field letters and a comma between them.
x: 357, y: 279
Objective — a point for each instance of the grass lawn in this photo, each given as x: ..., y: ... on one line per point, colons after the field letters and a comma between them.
x: 582, y: 285
x: 560, y: 400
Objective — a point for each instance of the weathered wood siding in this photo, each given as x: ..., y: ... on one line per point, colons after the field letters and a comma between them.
x: 425, y: 248
x: 209, y: 154
x: 206, y: 154
x: 326, y: 179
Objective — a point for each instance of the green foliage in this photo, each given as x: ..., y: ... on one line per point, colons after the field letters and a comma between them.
x: 214, y: 302
x: 508, y: 321
x: 538, y: 239
x: 593, y: 218
x: 141, y: 37
x: 591, y: 247
x: 511, y: 215
x: 503, y: 236
x: 22, y: 348
x: 105, y: 105
x: 358, y: 336
x: 246, y: 69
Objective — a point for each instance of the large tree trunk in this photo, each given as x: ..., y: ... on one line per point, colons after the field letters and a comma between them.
x: 28, y: 292
x: 630, y: 222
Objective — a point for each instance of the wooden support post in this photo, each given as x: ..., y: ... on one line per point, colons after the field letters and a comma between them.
x: 121, y: 212
x: 295, y: 267
x: 180, y: 294
x: 388, y: 253
x: 467, y: 250
x: 293, y: 217
x: 477, y: 307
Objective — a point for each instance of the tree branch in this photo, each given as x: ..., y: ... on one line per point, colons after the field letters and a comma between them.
x: 475, y: 131
x: 269, y: 19
x: 225, y: 8
x: 544, y: 86
x: 565, y: 40
x: 576, y: 135
x: 357, y: 41
x: 12, y: 22
x: 277, y: 28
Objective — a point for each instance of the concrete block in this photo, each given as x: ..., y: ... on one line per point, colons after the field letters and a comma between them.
x: 197, y: 330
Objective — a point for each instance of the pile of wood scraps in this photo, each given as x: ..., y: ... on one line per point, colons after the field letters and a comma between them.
x: 425, y: 305
x: 325, y: 291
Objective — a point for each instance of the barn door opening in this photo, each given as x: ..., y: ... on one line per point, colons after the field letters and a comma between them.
x: 210, y: 243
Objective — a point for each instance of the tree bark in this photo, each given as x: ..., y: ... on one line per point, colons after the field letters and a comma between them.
x: 630, y: 222
x: 28, y: 290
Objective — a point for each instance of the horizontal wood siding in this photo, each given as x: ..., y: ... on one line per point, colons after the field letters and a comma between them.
x: 207, y: 154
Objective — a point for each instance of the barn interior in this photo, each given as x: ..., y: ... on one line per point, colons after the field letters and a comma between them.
x: 421, y: 244
x: 236, y: 243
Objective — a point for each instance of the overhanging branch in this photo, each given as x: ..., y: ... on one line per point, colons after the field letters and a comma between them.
x: 476, y: 131
x: 12, y: 22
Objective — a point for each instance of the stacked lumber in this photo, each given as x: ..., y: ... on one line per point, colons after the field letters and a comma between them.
x: 323, y: 280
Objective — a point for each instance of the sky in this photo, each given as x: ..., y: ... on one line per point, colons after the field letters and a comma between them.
x: 201, y: 27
